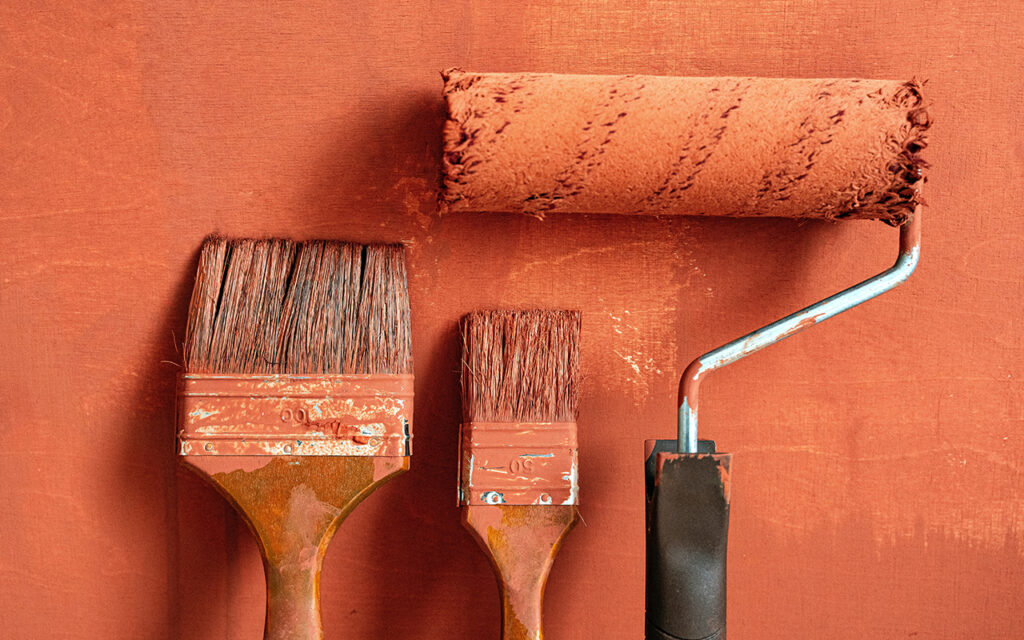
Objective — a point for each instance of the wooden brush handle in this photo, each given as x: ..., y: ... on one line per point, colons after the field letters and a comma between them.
x: 293, y: 598
x: 521, y: 542
x: 294, y: 504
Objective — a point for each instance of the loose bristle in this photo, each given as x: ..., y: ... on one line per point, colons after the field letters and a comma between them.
x: 275, y: 306
x: 521, y: 366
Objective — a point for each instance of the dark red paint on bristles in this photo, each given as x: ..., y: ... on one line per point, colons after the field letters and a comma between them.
x: 521, y: 366
x: 277, y: 306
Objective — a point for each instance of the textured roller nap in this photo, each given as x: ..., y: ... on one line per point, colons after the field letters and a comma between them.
x: 536, y: 143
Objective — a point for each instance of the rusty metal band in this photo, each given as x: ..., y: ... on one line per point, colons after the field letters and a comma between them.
x: 295, y: 415
x: 519, y: 463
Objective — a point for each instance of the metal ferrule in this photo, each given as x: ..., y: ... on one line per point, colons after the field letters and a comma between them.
x: 529, y: 463
x: 689, y: 385
x: 295, y: 415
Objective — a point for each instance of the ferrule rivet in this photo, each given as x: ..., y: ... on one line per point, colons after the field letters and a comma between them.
x: 208, y: 446
x: 288, y: 448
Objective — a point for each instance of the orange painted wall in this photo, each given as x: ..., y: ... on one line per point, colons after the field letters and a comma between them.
x: 878, y: 458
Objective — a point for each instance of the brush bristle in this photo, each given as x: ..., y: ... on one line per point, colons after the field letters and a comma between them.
x: 275, y: 306
x: 521, y: 366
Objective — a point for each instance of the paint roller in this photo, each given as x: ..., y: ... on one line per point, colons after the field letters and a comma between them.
x: 646, y: 145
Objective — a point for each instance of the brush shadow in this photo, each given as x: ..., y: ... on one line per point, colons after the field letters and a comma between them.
x: 379, y: 183
x: 189, y: 585
x: 420, y: 553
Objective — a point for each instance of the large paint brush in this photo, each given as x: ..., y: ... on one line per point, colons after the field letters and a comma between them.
x: 518, y: 479
x: 296, y: 401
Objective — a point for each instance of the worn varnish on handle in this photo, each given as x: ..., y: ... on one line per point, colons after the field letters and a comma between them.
x: 521, y: 542
x: 800, y: 148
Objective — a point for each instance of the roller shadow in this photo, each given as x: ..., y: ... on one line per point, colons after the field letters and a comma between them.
x: 379, y: 179
x: 789, y: 252
x: 797, y: 265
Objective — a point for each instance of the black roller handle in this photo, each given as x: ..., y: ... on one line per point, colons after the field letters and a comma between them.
x: 687, y: 538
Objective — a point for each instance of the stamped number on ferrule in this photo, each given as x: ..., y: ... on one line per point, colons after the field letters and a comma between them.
x: 296, y: 416
x: 518, y: 465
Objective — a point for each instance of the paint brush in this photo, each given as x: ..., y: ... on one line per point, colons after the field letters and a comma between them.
x: 518, y: 480
x: 296, y: 401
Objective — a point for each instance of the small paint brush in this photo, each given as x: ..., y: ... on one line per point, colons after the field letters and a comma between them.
x: 518, y: 484
x: 296, y: 401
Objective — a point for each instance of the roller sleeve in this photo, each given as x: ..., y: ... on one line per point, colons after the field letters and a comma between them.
x: 801, y: 148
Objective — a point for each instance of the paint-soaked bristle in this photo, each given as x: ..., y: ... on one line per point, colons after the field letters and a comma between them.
x: 205, y: 295
x: 382, y: 342
x: 318, y: 308
x: 521, y: 366
x: 249, y: 310
x: 275, y: 306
